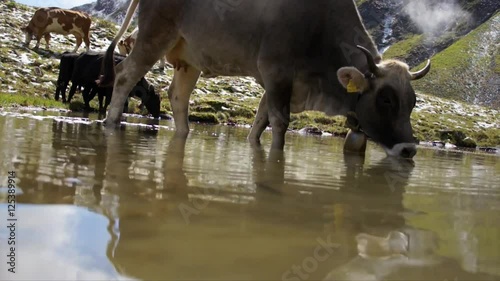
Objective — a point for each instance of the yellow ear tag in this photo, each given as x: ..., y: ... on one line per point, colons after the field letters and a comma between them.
x: 351, y: 88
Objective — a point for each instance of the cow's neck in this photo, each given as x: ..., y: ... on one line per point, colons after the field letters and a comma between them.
x: 321, y: 94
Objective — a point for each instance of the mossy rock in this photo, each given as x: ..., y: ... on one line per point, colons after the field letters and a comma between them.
x: 242, y: 111
x: 203, y: 108
x: 204, y: 117
x: 457, y: 138
x: 216, y: 104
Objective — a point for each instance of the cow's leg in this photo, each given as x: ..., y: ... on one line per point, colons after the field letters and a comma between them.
x: 142, y: 58
x: 107, y: 92
x: 58, y: 91
x: 86, y: 40
x: 64, y: 86
x: 61, y: 91
x: 38, y: 39
x: 88, y: 94
x: 92, y: 92
x: 278, y: 84
x: 125, y: 106
x: 72, y: 91
x: 162, y: 63
x: 100, y: 96
x: 47, y: 41
x: 179, y: 92
x: 78, y: 42
x: 260, y: 123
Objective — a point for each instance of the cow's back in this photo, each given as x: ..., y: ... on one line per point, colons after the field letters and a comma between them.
x: 66, y: 65
x: 219, y: 36
x: 88, y: 65
x: 53, y: 19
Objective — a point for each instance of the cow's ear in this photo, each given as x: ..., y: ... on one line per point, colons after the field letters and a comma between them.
x: 352, y: 79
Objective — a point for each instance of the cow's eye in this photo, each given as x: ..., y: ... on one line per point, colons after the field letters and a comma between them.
x: 386, y: 98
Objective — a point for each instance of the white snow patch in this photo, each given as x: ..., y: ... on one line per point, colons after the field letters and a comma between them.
x: 25, y: 59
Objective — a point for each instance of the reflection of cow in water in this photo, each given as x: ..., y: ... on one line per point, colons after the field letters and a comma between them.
x: 230, y: 237
x: 273, y: 228
x: 393, y: 250
x: 167, y: 231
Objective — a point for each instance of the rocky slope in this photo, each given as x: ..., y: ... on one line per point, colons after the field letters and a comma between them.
x: 28, y: 77
x: 461, y: 37
x: 113, y: 10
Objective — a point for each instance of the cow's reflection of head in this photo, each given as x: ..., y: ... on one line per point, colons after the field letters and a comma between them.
x: 393, y: 251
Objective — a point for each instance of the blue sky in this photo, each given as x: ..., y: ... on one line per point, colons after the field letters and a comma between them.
x: 55, y: 3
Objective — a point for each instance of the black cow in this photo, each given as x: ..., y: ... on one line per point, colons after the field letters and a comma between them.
x: 66, y: 65
x: 86, y: 70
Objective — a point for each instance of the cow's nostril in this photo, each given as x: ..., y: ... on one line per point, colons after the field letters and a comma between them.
x: 408, y: 152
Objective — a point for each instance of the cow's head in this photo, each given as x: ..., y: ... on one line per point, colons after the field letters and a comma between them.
x: 385, y: 102
x: 149, y: 97
x: 122, y: 49
x: 28, y: 33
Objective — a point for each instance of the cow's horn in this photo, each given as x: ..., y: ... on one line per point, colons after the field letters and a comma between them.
x: 369, y: 58
x: 421, y: 73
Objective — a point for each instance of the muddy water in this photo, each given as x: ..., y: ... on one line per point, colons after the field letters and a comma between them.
x: 140, y: 203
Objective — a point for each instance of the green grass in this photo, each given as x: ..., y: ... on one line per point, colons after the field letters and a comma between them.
x: 497, y: 63
x: 359, y: 2
x: 7, y: 100
x: 429, y: 127
x: 402, y: 49
x: 456, y: 71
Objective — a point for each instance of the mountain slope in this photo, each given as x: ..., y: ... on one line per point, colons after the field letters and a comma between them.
x: 470, y: 68
x: 113, y: 10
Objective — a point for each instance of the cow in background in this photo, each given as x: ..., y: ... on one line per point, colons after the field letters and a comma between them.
x: 66, y: 64
x: 125, y: 46
x: 86, y: 69
x: 60, y: 21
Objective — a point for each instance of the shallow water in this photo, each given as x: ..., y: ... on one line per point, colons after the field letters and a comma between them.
x: 140, y: 203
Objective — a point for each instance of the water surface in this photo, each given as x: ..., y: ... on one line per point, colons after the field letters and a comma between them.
x: 140, y: 203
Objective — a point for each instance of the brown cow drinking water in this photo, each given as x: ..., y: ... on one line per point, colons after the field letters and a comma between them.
x: 304, y: 54
x: 60, y: 21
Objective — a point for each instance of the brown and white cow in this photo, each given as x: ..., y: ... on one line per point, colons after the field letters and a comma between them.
x: 125, y: 46
x: 60, y: 21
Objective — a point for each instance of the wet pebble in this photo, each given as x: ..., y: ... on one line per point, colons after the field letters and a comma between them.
x: 438, y: 144
x: 449, y: 145
x: 72, y: 181
x: 489, y: 149
x: 310, y: 131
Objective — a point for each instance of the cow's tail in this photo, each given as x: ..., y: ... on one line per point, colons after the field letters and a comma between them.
x: 108, y: 63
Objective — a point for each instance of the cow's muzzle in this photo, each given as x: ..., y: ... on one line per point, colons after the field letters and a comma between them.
x: 403, y: 150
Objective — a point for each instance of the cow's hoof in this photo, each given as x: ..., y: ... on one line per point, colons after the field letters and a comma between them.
x: 110, y: 124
